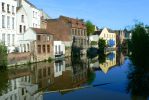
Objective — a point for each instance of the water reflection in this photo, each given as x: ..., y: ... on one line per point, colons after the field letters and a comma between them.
x: 30, y: 82
x: 104, y: 62
x: 138, y: 76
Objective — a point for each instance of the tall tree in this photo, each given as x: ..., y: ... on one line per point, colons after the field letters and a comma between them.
x: 90, y: 27
x: 140, y: 46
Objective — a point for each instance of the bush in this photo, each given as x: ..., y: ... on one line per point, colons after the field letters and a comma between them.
x: 101, y: 45
x: 50, y: 59
x: 94, y: 43
x: 3, y: 56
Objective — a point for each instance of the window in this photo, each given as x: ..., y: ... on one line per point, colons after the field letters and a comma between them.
x: 82, y: 32
x: 48, y: 48
x: 28, y: 47
x: 3, y: 21
x: 8, y: 22
x: 38, y: 37
x: 24, y: 48
x: 13, y: 39
x: 12, y: 22
x: 73, y: 32
x: 3, y: 7
x: 44, y: 72
x: 8, y: 39
x: 44, y: 49
x: 22, y: 18
x: 48, y: 38
x: 8, y: 8
x: 12, y: 9
x: 20, y: 28
x: 78, y: 32
x: 3, y: 38
x: 59, y: 49
x: 39, y: 48
x: 39, y: 73
x: 24, y: 28
x: 48, y: 70
x: 22, y: 91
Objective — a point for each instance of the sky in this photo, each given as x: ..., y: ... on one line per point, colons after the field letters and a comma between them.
x: 114, y: 14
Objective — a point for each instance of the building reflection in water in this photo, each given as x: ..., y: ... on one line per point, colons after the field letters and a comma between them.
x: 26, y: 82
x: 20, y: 85
x: 105, y: 64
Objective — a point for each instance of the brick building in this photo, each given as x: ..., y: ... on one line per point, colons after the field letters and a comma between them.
x: 42, y: 47
x: 69, y: 30
x: 40, y: 44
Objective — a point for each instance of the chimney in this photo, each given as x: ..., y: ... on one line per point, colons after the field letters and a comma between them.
x: 43, y: 24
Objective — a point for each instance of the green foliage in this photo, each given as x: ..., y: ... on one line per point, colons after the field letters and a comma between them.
x: 90, y: 27
x: 102, y: 58
x: 140, y: 46
x: 101, y: 45
x: 3, y: 56
x: 91, y: 76
x: 50, y: 59
x: 29, y: 63
x: 94, y: 43
x: 3, y: 82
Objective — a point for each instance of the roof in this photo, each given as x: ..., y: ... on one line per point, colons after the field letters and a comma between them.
x: 74, y: 22
x: 41, y: 31
x: 110, y: 30
x: 98, y: 32
x: 30, y: 4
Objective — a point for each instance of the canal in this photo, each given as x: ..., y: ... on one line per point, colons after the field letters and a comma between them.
x: 101, y: 78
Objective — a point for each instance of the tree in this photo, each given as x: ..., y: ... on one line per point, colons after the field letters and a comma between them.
x: 140, y: 46
x: 3, y: 56
x: 138, y: 77
x: 90, y: 27
x: 101, y: 45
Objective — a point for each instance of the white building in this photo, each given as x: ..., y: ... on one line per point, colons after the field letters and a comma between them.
x: 8, y: 23
x: 28, y: 16
x: 59, y: 68
x: 59, y: 48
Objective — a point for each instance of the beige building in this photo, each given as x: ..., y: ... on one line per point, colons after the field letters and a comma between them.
x: 105, y: 34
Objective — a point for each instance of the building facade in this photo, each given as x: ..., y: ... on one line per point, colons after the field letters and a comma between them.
x: 105, y: 34
x: 28, y: 16
x: 59, y: 48
x: 69, y: 30
x: 8, y: 23
x: 40, y: 44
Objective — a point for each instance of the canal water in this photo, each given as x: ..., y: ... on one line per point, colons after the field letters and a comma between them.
x: 99, y: 78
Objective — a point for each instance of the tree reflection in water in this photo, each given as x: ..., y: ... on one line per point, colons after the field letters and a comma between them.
x: 138, y: 84
x: 3, y: 81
